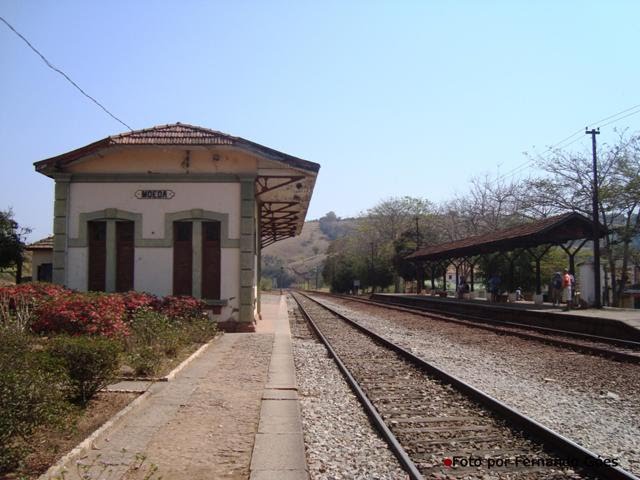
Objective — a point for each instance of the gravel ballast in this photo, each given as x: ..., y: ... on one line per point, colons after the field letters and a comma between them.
x: 339, y: 439
x: 591, y: 400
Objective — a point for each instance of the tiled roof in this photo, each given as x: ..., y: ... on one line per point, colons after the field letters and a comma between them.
x: 42, y: 244
x: 557, y: 229
x: 176, y: 134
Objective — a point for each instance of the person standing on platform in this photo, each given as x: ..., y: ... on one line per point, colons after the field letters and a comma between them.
x: 462, y: 285
x: 556, y: 289
x: 566, y: 288
x: 494, y: 288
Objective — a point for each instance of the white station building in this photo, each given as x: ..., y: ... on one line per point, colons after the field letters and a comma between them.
x: 175, y: 210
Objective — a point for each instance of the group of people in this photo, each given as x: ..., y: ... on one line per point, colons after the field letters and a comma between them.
x: 562, y: 288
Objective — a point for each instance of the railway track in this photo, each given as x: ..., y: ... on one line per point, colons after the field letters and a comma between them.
x: 612, y: 348
x: 439, y: 426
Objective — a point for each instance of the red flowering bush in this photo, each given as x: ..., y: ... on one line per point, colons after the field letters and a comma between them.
x: 182, y: 307
x: 18, y: 303
x: 32, y: 293
x: 134, y: 301
x: 83, y: 314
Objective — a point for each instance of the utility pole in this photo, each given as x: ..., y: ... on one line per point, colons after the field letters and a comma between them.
x: 371, y: 271
x: 418, y: 264
x: 596, y: 222
x: 281, y: 277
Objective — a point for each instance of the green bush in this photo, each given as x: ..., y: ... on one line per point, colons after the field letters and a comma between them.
x: 32, y: 392
x: 154, y: 336
x: 153, y: 329
x: 144, y: 360
x: 199, y: 330
x: 91, y: 363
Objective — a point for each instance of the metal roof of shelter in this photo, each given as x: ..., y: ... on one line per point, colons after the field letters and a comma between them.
x: 552, y: 230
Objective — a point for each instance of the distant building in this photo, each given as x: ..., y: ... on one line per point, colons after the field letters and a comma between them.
x: 41, y: 259
x: 175, y: 209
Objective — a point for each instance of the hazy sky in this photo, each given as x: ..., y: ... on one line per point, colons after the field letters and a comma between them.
x: 391, y: 98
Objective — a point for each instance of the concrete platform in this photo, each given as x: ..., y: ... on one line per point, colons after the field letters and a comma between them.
x: 279, y: 451
x: 232, y: 412
x: 608, y: 321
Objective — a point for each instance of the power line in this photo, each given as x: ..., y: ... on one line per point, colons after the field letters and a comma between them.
x: 620, y: 113
x: 55, y: 69
x: 613, y: 119
x: 618, y: 119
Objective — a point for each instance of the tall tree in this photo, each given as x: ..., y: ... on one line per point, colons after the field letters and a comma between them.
x: 12, y: 243
x: 388, y: 224
x: 489, y: 205
x: 568, y: 186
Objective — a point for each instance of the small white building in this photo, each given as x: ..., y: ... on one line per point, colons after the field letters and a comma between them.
x: 41, y: 259
x: 175, y: 210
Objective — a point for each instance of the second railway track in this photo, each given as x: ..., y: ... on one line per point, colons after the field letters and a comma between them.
x: 443, y: 427
x: 615, y: 349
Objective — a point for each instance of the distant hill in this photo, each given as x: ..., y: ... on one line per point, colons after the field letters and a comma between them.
x: 302, y: 254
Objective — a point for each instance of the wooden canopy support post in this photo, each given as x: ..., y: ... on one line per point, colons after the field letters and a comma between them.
x: 419, y: 277
x: 433, y: 275
x: 445, y: 265
x: 511, y: 258
x: 537, y: 255
x: 572, y: 255
x: 457, y: 265
x: 471, y: 261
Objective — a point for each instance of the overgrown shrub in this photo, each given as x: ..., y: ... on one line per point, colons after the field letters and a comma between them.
x: 156, y: 329
x: 144, y: 360
x: 32, y: 391
x: 199, y: 330
x: 91, y: 363
x: 83, y: 313
x: 153, y: 336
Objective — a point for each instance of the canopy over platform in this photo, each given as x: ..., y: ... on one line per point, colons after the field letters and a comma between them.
x: 561, y: 230
x: 555, y: 230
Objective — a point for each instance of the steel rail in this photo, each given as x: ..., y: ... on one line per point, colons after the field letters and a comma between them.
x: 499, y: 326
x: 400, y: 453
x: 588, y: 460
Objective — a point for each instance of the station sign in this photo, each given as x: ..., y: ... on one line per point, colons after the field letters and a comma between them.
x: 155, y: 194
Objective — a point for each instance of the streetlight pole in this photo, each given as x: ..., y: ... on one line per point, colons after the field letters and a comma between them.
x: 596, y: 222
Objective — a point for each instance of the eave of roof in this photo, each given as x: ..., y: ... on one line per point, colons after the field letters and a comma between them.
x: 177, y: 134
x: 42, y: 244
x: 523, y: 236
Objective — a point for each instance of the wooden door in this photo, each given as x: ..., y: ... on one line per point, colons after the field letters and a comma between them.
x: 182, y: 258
x: 124, y: 256
x: 97, y: 256
x: 211, y: 260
